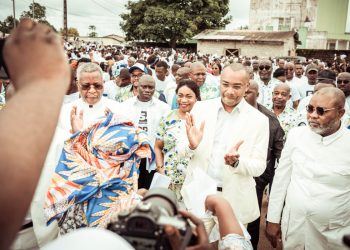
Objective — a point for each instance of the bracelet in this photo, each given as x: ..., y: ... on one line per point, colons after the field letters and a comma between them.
x: 159, y: 167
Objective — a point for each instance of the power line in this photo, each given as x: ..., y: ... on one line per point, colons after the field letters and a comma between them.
x: 104, y: 7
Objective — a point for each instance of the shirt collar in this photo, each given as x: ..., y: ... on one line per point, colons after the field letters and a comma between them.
x: 220, y: 107
x: 326, y: 140
x: 86, y: 105
x: 135, y: 100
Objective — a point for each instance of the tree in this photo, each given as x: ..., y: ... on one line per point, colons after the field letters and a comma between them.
x: 92, y: 29
x: 7, y: 25
x: 72, y: 32
x: 172, y: 21
x: 39, y: 14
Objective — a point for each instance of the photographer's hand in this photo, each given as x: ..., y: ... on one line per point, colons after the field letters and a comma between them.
x: 175, y: 239
x: 38, y: 48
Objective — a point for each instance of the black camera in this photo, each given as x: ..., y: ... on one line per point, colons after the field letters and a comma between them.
x: 3, y: 70
x: 143, y: 226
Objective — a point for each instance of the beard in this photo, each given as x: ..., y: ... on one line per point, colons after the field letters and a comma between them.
x: 325, y: 129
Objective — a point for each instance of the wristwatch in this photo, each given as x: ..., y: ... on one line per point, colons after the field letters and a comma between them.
x: 235, y: 165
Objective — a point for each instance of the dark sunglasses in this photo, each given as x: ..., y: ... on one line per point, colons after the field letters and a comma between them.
x: 342, y: 81
x: 266, y: 67
x: 319, y: 110
x: 87, y: 86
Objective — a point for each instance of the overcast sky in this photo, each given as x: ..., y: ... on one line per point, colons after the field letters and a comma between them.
x: 104, y: 14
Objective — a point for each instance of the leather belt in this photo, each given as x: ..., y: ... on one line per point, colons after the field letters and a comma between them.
x: 28, y: 225
x: 219, y: 189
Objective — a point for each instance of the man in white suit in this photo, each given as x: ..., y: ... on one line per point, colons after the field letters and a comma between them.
x: 231, y: 143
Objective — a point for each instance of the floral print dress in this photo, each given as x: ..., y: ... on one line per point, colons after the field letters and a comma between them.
x: 172, y: 132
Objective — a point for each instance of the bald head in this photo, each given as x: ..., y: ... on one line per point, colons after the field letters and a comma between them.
x: 334, y: 94
x: 252, y: 93
x: 182, y: 73
x: 345, y: 74
x: 198, y: 73
x: 197, y: 65
x: 254, y: 85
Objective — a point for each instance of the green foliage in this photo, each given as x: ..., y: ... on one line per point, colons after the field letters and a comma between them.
x: 72, y: 32
x: 39, y: 14
x: 172, y: 21
x: 92, y: 29
x: 7, y: 25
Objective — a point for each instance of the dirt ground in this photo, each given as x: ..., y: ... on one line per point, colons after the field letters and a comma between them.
x: 264, y: 244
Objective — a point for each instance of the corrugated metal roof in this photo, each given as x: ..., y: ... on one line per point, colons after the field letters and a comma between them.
x: 250, y: 35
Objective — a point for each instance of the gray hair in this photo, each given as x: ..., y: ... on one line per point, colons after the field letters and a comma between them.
x: 88, y: 68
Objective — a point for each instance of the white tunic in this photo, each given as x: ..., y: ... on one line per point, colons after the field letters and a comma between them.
x: 313, y: 179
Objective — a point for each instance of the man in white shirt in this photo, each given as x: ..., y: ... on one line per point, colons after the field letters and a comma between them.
x: 311, y: 184
x: 162, y: 79
x: 299, y: 72
x: 293, y: 82
x: 343, y: 83
x: 307, y: 88
x: 232, y: 144
x: 146, y: 111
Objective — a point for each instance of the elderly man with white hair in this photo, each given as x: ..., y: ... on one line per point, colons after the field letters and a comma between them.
x: 91, y: 104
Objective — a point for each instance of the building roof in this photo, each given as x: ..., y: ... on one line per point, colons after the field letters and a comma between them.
x: 245, y: 35
x: 116, y: 37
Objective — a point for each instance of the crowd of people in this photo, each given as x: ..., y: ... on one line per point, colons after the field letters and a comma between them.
x: 104, y: 120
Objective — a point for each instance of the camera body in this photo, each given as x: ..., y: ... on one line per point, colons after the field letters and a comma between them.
x: 143, y: 226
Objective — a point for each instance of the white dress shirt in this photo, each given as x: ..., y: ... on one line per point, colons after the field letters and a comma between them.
x: 311, y: 187
x: 224, y: 125
x: 90, y: 113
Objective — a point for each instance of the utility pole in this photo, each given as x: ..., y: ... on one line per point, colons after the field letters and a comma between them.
x: 65, y: 26
x: 33, y: 10
x: 14, y: 14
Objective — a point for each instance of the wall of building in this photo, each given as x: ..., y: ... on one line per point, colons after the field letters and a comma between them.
x: 331, y: 17
x: 316, y: 40
x: 245, y: 49
x: 104, y: 40
x: 281, y: 15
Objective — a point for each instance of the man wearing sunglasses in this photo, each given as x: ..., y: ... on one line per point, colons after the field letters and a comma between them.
x: 266, y: 85
x: 91, y: 104
x: 343, y: 83
x: 311, y: 184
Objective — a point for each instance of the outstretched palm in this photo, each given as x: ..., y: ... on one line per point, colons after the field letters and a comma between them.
x: 76, y: 120
x: 194, y: 134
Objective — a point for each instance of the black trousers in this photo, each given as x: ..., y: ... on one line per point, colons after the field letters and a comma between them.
x: 254, y: 227
x: 145, y: 178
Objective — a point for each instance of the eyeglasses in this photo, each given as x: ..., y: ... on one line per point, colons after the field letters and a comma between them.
x: 319, y: 110
x: 342, y: 81
x: 266, y: 67
x: 87, y: 86
x: 136, y: 76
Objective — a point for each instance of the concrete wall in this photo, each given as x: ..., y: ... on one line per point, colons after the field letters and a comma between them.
x: 246, y: 48
x: 331, y: 17
x: 316, y: 40
x: 104, y: 40
x: 265, y: 14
